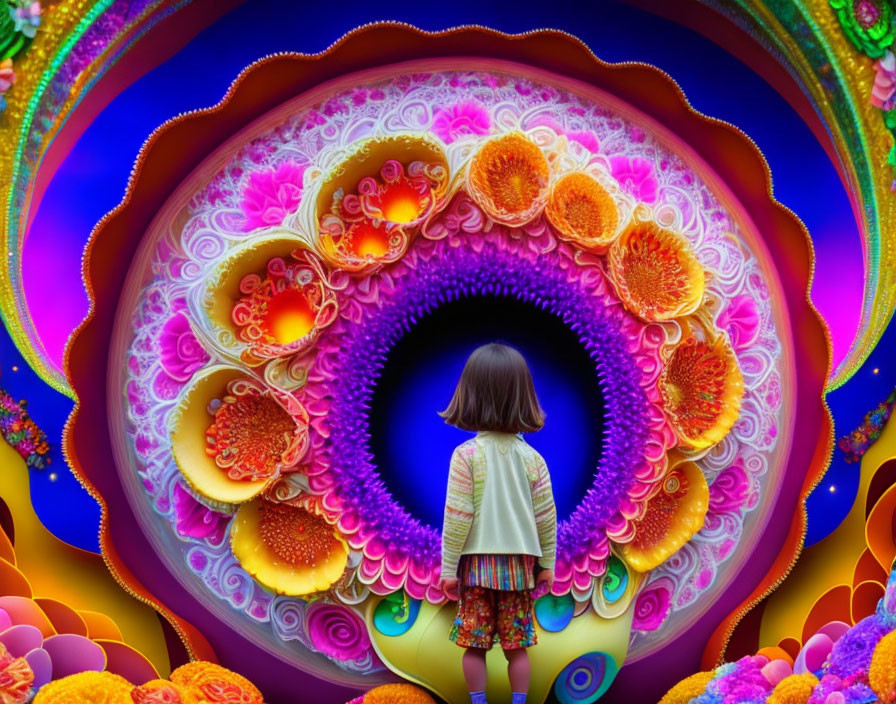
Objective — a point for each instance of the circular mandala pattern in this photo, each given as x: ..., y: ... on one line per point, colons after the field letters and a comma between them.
x: 585, y: 679
x: 282, y: 274
x: 554, y: 612
x: 395, y: 614
x: 616, y: 580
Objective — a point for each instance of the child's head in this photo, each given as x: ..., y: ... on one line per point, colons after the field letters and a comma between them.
x: 495, y: 392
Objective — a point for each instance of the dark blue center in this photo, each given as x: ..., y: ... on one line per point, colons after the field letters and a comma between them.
x: 412, y: 444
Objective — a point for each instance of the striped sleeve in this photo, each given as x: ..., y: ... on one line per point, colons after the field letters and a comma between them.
x: 545, y: 514
x: 458, y: 512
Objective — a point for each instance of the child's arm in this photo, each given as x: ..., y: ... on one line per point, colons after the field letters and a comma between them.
x: 458, y: 513
x: 545, y: 515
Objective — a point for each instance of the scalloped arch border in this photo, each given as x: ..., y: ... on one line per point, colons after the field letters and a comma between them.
x: 179, y: 145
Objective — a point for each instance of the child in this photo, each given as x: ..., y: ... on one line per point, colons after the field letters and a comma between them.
x: 499, y: 516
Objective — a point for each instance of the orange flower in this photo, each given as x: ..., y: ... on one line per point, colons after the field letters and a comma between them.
x: 583, y: 212
x: 231, y: 437
x: 215, y: 684
x: 655, y: 272
x: 160, y: 692
x: 251, y: 434
x: 509, y: 179
x: 16, y: 679
x: 702, y: 388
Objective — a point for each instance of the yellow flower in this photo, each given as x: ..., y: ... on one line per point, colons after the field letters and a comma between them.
x: 795, y: 689
x: 687, y: 689
x: 882, y: 673
x: 655, y: 272
x: 287, y: 548
x: 373, y: 201
x: 230, y: 437
x: 509, y: 179
x: 583, y: 212
x: 87, y: 688
x: 398, y: 694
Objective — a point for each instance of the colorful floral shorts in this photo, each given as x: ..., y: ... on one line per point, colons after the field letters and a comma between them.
x: 484, y: 614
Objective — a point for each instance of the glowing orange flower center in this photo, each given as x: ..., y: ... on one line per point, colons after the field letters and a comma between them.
x: 296, y: 536
x: 368, y: 241
x: 249, y: 435
x: 512, y: 171
x: 661, y: 511
x: 580, y: 207
x: 289, y: 317
x: 400, y: 203
x: 694, y: 385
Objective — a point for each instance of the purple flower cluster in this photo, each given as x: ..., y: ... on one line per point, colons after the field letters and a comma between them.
x: 852, y: 653
x: 741, y: 682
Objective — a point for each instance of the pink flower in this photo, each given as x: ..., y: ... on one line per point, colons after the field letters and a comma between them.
x: 181, y: 353
x: 586, y: 139
x: 337, y: 631
x: 740, y: 320
x: 636, y: 177
x: 7, y: 75
x: 652, y: 605
x: 194, y: 520
x: 729, y: 491
x: 583, y: 137
x: 271, y: 195
x: 467, y: 117
x: 883, y: 93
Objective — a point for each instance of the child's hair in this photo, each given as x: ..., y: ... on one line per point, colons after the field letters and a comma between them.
x: 495, y: 392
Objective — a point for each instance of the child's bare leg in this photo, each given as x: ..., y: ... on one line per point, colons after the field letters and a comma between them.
x: 475, y: 671
x: 518, y: 670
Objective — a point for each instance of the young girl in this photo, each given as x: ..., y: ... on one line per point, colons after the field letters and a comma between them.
x: 500, y: 525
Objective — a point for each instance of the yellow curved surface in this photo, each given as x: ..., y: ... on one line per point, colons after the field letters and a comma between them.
x: 831, y: 562
x: 75, y: 577
x: 436, y: 662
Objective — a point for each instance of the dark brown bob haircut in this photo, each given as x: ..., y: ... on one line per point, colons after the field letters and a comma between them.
x: 495, y: 392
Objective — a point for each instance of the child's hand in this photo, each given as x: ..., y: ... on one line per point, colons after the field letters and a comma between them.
x: 545, y: 577
x: 450, y: 587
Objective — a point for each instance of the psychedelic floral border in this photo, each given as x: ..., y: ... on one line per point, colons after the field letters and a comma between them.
x: 261, y: 191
